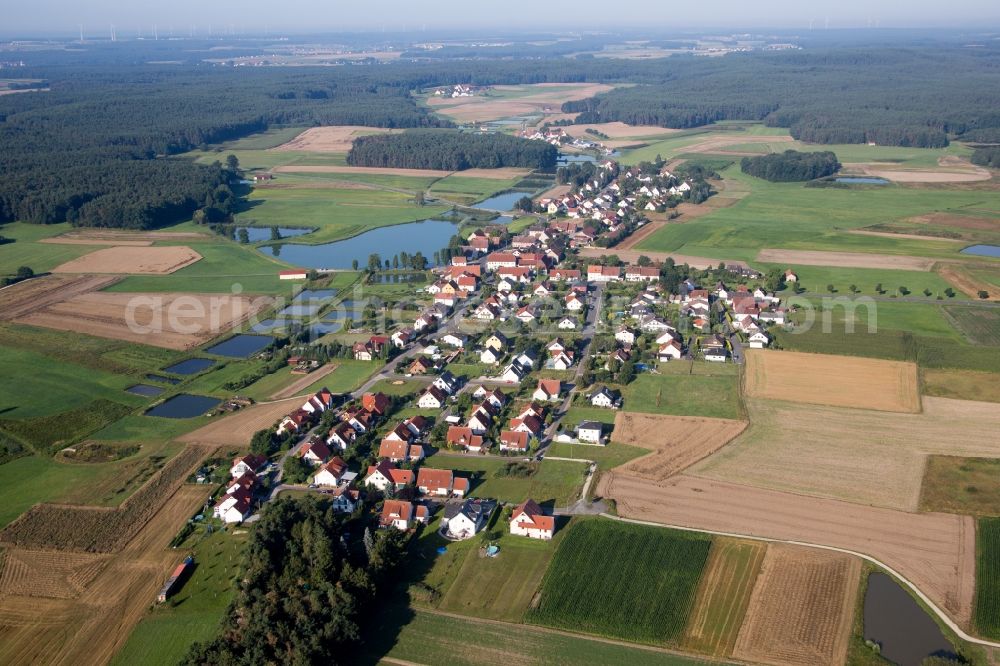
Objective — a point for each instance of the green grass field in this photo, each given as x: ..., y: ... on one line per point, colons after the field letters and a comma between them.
x: 27, y: 251
x: 607, y: 457
x: 465, y: 189
x: 582, y: 411
x: 925, y: 319
x: 791, y: 216
x: 416, y: 636
x: 402, y: 182
x: 687, y: 389
x: 554, y: 481
x: 987, y: 610
x: 272, y: 138
x: 961, y: 485
x: 815, y: 280
x: 625, y: 581
x: 979, y: 324
x: 194, y: 613
x: 500, y: 588
x: 263, y: 159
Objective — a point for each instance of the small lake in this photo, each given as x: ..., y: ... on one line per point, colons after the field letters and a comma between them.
x: 241, y: 346
x: 894, y: 620
x: 983, y: 250
x: 191, y: 366
x: 145, y: 390
x: 258, y: 234
x: 184, y: 406
x: 162, y: 379
x: 861, y: 180
x: 426, y: 237
x: 501, y: 202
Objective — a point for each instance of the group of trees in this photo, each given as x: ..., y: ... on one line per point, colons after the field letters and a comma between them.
x: 987, y: 156
x: 303, y: 595
x: 791, y: 166
x: 450, y: 150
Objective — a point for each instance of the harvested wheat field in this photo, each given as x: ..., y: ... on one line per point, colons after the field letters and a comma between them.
x: 92, y: 628
x: 173, y: 320
x: 841, y: 381
x: 30, y: 296
x: 331, y: 139
x: 122, y: 237
x: 237, y: 429
x: 855, y: 455
x: 936, y: 551
x: 890, y: 234
x: 132, y: 260
x: 723, y: 596
x: 304, y: 382
x: 619, y: 130
x: 45, y: 573
x: 801, y: 609
x: 677, y: 441
x: 844, y: 259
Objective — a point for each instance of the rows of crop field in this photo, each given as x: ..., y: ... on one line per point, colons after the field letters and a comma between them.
x: 987, y: 611
x: 623, y: 581
x: 980, y: 325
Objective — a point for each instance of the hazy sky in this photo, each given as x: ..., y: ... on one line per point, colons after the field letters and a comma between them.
x: 181, y: 16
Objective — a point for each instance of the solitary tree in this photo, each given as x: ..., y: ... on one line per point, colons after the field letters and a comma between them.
x: 830, y: 288
x: 244, y: 235
x: 854, y: 288
x: 275, y: 233
x: 24, y: 272
x: 983, y: 294
x: 949, y: 292
x: 354, y: 264
x: 927, y: 293
x: 903, y: 291
x: 232, y: 163
x: 879, y: 289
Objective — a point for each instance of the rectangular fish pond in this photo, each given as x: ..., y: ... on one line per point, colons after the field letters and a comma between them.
x: 184, y: 406
x: 191, y: 366
x: 241, y: 346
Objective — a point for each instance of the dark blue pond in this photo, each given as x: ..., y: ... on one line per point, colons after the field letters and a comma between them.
x: 983, y: 250
x: 501, y: 202
x: 314, y: 295
x: 265, y: 325
x: 904, y: 631
x: 241, y: 346
x: 162, y: 379
x: 862, y: 180
x: 258, y: 234
x: 191, y: 366
x: 183, y: 406
x: 346, y: 309
x: 426, y: 237
x: 145, y: 390
x: 301, y: 310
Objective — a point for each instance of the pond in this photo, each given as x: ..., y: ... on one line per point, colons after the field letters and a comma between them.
x: 569, y: 159
x: 265, y: 325
x: 145, y: 390
x: 183, y: 406
x: 241, y: 346
x: 347, y: 309
x: 426, y: 237
x: 192, y: 366
x: 314, y: 295
x: 861, y: 180
x: 301, y: 310
x: 904, y: 631
x: 258, y: 234
x: 983, y: 250
x: 162, y: 379
x: 501, y: 202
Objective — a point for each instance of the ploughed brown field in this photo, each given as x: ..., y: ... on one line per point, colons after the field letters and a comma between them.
x: 128, y: 260
x: 30, y: 296
x: 677, y: 441
x: 171, y: 320
x: 844, y: 259
x: 841, y: 381
x: 936, y: 551
x: 801, y: 609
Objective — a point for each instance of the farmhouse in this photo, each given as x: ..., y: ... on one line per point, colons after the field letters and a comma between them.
x: 529, y: 520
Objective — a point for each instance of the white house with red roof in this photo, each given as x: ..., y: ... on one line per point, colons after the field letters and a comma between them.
x: 530, y: 521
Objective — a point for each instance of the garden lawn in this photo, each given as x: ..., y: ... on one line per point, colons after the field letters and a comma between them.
x: 555, y: 481
x: 687, y: 389
x: 624, y: 581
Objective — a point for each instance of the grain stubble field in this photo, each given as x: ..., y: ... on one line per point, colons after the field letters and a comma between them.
x: 131, y: 260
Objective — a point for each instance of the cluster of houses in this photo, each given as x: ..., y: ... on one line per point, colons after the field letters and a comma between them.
x: 458, y: 90
x: 236, y: 504
x: 525, y: 424
x: 306, y: 416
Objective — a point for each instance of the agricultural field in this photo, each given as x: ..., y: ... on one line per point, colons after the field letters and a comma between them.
x: 802, y: 608
x: 687, y: 389
x: 960, y: 384
x: 954, y: 484
x: 871, y: 457
x: 238, y: 428
x: 426, y: 637
x: 128, y: 260
x: 677, y: 442
x: 513, y: 101
x: 934, y: 550
x: 865, y: 318
x: 328, y: 139
x: 607, y: 457
x: 28, y: 250
x: 816, y: 279
x: 723, y: 596
x: 846, y: 382
x: 502, y: 587
x: 647, y: 581
x: 980, y: 325
x: 167, y: 632
x: 987, y: 614
x: 844, y: 260
x: 554, y: 481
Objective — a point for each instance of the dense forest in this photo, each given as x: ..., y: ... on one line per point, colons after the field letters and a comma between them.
x: 303, y: 595
x: 791, y: 166
x: 451, y: 150
x: 987, y: 156
x: 899, y: 97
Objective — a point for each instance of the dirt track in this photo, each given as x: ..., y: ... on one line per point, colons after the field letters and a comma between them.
x: 132, y: 260
x: 823, y: 379
x: 844, y: 259
x: 965, y: 282
x: 677, y: 441
x: 801, y: 609
x: 935, y: 551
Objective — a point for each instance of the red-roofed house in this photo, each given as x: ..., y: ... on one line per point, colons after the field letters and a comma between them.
x: 402, y: 515
x: 440, y: 482
x: 529, y: 520
x: 331, y: 473
x: 386, y: 473
x: 315, y: 451
x: 398, y: 451
x: 376, y: 403
x: 511, y: 440
x: 548, y: 390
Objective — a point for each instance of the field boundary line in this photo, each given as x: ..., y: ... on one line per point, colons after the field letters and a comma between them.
x: 923, y: 597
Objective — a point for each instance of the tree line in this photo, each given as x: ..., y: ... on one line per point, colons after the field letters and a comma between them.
x: 987, y: 156
x: 791, y: 166
x: 450, y: 150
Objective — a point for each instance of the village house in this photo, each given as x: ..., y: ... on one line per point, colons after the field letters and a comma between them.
x: 625, y: 336
x: 790, y: 276
x: 574, y: 303
x: 597, y: 273
x: 315, y: 451
x: 235, y: 507
x: 464, y: 438
x: 248, y: 463
x: 590, y: 431
x: 344, y: 499
x: 402, y: 337
x: 759, y: 340
x: 332, y: 473
x: 420, y: 366
x: 432, y: 398
x: 511, y: 440
x: 642, y: 274
x: 566, y: 324
x: 341, y: 436
x: 319, y: 403
x: 398, y: 452
x: 402, y: 514
x: 605, y: 397
x: 465, y: 520
x: 670, y: 351
x: 548, y: 390
x: 386, y: 475
x: 530, y: 521
x: 447, y: 382
x: 441, y: 482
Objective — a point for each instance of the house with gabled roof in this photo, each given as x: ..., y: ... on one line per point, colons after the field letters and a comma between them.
x: 465, y: 520
x: 514, y: 440
x: 402, y: 514
x: 548, y: 390
x: 331, y: 473
x: 385, y: 475
x: 432, y: 398
x: 441, y: 482
x: 398, y: 451
x: 315, y: 451
x: 530, y: 521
